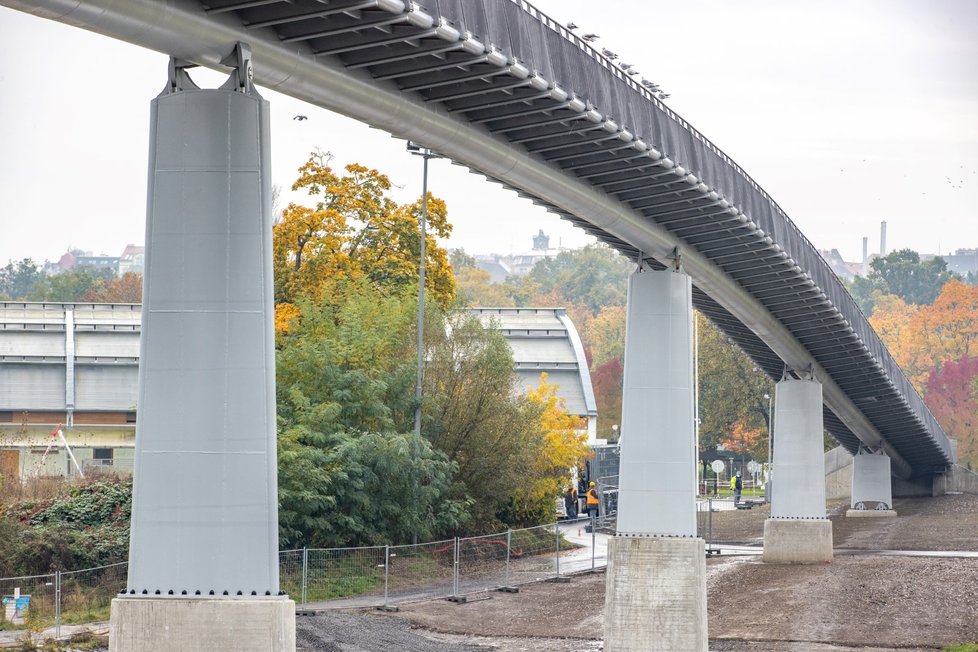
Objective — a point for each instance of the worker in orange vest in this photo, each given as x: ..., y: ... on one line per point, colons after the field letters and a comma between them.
x: 592, y: 499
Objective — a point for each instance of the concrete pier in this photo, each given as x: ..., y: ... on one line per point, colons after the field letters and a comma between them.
x: 872, y: 487
x: 659, y: 603
x: 203, y: 556
x: 798, y: 531
x: 656, y: 587
x: 202, y: 625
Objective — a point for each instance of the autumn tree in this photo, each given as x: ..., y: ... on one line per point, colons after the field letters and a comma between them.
x: 922, y: 338
x: 353, y: 230
x: 128, y: 288
x: 731, y: 390
x: 475, y: 286
x: 561, y: 445
x: 952, y: 396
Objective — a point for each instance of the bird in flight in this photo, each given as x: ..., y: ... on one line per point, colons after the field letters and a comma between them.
x: 300, y: 117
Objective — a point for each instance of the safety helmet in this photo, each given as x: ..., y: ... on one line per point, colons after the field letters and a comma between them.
x: 590, y: 484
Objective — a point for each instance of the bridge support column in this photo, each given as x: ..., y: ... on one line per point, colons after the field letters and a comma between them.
x: 872, y: 489
x: 798, y: 532
x: 656, y: 581
x: 203, y: 562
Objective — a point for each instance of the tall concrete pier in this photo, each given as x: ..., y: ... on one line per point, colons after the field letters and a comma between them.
x: 798, y: 531
x: 656, y: 582
x: 203, y: 564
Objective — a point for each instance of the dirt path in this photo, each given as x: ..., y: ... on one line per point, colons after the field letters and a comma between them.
x: 858, y: 602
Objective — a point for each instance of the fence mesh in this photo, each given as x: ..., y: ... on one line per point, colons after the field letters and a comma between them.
x: 39, y: 607
x: 421, y: 571
x: 320, y: 578
x: 291, y: 574
x: 533, y: 555
x: 86, y: 595
x: 346, y: 577
x: 482, y: 562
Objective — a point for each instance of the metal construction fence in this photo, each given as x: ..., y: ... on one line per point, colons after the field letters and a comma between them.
x: 384, y: 576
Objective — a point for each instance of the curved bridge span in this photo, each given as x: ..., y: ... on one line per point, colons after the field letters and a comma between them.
x: 503, y: 89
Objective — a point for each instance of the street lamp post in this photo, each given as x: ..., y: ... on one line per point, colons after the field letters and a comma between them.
x: 426, y: 154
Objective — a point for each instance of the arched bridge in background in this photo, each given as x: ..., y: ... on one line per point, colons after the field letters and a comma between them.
x: 505, y: 90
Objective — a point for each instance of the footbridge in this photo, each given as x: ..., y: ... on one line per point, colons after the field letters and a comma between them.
x: 507, y: 91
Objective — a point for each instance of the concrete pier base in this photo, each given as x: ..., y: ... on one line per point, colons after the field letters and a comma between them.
x: 869, y: 513
x: 202, y: 625
x: 797, y: 541
x: 656, y: 595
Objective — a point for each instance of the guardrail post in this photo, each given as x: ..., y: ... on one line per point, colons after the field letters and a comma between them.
x: 57, y: 605
x: 305, y: 573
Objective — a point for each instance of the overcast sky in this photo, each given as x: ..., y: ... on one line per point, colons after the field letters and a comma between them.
x: 847, y: 113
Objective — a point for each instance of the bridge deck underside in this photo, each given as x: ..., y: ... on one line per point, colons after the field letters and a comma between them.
x: 504, y: 68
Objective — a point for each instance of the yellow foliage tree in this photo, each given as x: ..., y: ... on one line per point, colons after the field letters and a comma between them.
x: 606, y: 333
x: 355, y: 231
x: 922, y: 338
x: 561, y: 447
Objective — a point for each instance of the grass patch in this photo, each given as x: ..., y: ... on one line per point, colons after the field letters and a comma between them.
x: 962, y: 647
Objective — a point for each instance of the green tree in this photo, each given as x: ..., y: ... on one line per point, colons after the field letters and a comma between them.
x: 595, y: 276
x: 73, y: 285
x: 345, y: 388
x: 731, y: 391
x: 17, y: 280
x: 903, y: 274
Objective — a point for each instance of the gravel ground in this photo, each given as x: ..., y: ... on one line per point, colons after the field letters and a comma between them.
x: 858, y: 603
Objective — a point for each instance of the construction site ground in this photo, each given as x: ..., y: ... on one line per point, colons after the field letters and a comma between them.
x: 871, y: 597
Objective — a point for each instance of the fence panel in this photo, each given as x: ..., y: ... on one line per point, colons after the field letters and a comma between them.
x: 345, y: 577
x: 86, y: 595
x: 726, y: 523
x: 421, y: 571
x: 292, y: 575
x: 482, y: 562
x: 533, y: 555
x: 41, y: 606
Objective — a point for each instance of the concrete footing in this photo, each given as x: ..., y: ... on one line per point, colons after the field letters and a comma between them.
x: 797, y: 541
x: 656, y: 595
x: 202, y: 625
x: 869, y: 513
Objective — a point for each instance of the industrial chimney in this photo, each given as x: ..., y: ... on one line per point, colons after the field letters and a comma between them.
x: 883, y: 238
x: 865, y: 256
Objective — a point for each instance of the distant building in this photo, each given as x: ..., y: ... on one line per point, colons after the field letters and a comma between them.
x: 544, y: 340
x: 963, y: 261
x: 500, y: 267
x: 131, y: 260
x: 841, y: 268
x: 73, y: 364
